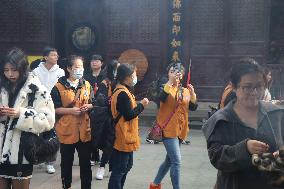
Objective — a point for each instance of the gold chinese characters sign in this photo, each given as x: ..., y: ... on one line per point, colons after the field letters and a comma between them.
x: 175, y: 39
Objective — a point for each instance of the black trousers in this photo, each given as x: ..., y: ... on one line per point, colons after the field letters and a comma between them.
x: 95, y: 154
x: 67, y: 157
x: 106, y: 159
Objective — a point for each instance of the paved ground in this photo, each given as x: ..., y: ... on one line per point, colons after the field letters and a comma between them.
x: 196, y: 173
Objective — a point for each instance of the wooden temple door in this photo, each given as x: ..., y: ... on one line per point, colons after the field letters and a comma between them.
x: 220, y: 33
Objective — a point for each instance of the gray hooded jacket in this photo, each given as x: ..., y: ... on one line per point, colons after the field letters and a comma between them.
x: 226, y: 137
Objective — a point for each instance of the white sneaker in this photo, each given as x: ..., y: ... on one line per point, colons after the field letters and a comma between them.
x: 50, y: 169
x: 109, y: 174
x: 100, y: 173
x: 92, y: 163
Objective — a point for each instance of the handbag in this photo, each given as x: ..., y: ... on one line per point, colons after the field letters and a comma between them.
x: 40, y: 148
x: 37, y: 148
x: 156, y: 132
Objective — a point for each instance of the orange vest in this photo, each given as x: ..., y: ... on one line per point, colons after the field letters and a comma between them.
x: 178, y: 124
x: 126, y: 132
x: 70, y: 128
x: 226, y: 92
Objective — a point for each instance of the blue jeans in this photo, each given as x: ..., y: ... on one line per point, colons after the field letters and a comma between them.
x: 121, y: 164
x: 172, y: 162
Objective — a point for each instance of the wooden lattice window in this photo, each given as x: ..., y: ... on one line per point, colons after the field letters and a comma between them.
x: 10, y: 19
x: 132, y: 21
x: 148, y: 15
x: 118, y: 24
x: 208, y: 20
x: 248, y: 20
x: 36, y: 14
x: 25, y: 20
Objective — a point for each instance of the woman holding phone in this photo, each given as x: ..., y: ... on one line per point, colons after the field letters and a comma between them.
x: 17, y: 117
x: 175, y: 102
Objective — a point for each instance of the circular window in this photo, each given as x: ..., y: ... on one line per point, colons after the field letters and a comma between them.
x: 83, y: 38
x: 137, y: 58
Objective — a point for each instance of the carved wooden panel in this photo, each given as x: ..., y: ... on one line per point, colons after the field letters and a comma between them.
x: 141, y: 25
x: 248, y: 20
x: 132, y: 21
x: 10, y: 19
x: 247, y: 49
x: 207, y: 20
x: 36, y: 20
x: 222, y: 32
x: 209, y: 72
x: 148, y: 16
x: 118, y: 20
x: 26, y: 24
x: 207, y: 50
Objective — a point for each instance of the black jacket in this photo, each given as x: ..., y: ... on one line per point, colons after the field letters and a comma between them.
x: 102, y: 124
x: 226, y: 138
x: 95, y: 80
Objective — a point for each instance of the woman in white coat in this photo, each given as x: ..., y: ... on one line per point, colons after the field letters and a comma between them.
x: 16, y: 116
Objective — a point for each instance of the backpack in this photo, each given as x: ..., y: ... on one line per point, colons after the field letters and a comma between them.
x: 102, y: 124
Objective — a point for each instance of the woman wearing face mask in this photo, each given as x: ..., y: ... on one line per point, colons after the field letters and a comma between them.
x: 126, y: 110
x: 16, y: 117
x: 72, y: 100
x: 175, y: 102
x: 101, y: 127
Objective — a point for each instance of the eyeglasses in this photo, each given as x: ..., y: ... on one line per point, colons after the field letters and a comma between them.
x: 251, y: 88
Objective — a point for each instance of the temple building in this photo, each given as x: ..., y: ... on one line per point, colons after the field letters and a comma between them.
x: 206, y: 35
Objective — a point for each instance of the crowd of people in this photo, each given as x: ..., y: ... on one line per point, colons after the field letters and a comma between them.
x: 69, y: 101
x: 94, y: 110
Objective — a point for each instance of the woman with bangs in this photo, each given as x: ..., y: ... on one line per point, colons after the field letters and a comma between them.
x: 16, y: 116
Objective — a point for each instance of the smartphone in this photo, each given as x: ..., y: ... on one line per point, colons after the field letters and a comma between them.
x: 178, y: 67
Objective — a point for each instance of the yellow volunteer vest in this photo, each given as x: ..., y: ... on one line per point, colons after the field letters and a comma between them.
x: 126, y: 132
x: 69, y: 128
x: 178, y: 124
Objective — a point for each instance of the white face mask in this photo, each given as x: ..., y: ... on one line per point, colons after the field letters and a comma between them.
x: 78, y: 73
x: 134, y: 81
x: 114, y: 73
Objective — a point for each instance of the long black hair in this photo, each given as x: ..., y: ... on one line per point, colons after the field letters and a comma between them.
x: 17, y: 58
x: 111, y: 68
x: 267, y: 70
